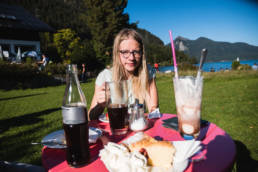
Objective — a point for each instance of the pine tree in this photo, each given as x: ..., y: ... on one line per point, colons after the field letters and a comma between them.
x: 105, y: 19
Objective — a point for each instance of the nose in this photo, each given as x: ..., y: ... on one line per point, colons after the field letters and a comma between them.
x: 131, y: 56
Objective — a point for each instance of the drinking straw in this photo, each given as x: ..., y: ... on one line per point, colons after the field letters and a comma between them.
x: 174, y: 54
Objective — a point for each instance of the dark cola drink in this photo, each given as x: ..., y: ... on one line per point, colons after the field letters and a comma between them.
x: 75, y: 120
x: 76, y: 135
x: 118, y: 118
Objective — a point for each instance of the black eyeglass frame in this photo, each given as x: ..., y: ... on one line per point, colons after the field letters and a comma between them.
x: 126, y: 53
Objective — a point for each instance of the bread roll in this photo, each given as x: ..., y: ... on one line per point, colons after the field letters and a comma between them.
x: 160, y: 153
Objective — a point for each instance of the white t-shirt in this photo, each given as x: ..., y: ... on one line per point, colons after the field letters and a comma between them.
x: 106, y: 76
x: 44, y: 61
x: 254, y: 67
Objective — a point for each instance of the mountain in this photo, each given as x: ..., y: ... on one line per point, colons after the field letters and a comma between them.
x: 217, y: 51
x: 149, y: 38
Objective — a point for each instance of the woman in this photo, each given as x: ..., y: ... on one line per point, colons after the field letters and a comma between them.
x: 129, y: 63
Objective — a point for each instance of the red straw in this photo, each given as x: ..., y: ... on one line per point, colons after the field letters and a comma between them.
x: 174, y: 54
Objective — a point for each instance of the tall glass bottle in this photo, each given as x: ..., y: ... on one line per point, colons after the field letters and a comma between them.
x: 75, y: 120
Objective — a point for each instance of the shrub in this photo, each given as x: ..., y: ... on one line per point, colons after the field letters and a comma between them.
x: 55, y: 69
x: 235, y: 65
x: 17, y: 76
x: 244, y: 67
x: 29, y: 60
x: 166, y: 63
x: 187, y: 66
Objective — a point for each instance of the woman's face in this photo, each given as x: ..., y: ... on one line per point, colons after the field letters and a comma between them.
x: 130, y: 54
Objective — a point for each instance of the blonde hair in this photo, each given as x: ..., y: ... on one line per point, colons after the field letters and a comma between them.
x: 140, y: 78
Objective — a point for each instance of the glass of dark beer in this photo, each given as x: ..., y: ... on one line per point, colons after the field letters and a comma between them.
x: 117, y: 106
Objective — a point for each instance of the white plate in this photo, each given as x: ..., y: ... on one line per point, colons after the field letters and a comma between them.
x: 184, y: 150
x: 57, y: 138
x: 103, y: 118
x: 52, y: 140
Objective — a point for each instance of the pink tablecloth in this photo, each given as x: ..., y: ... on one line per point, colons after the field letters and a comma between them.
x: 218, y: 154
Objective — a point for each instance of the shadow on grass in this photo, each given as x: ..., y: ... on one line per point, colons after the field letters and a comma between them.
x: 244, y: 161
x: 17, y: 97
x: 34, y: 82
x: 26, y: 119
x: 18, y: 145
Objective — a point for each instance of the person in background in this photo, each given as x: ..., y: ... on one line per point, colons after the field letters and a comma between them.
x: 156, y: 66
x: 43, y: 62
x: 212, y: 69
x: 129, y: 63
x: 83, y: 76
x: 255, y: 67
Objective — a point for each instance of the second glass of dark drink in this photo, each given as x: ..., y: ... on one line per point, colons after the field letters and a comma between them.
x: 117, y: 106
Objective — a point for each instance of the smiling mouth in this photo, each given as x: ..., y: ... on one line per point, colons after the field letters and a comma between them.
x: 131, y: 64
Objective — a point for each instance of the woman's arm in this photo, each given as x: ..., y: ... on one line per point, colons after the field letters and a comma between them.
x: 98, y: 102
x: 154, y: 99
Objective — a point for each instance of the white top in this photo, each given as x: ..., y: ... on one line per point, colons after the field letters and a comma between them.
x: 44, y: 61
x: 106, y: 76
x: 254, y: 67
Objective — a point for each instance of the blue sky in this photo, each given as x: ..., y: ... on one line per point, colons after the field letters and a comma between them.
x: 219, y: 20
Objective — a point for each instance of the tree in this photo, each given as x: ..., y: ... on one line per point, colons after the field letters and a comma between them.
x: 155, y: 53
x: 235, y: 64
x: 193, y: 60
x: 65, y: 41
x: 84, y: 53
x: 105, y: 19
x: 58, y: 14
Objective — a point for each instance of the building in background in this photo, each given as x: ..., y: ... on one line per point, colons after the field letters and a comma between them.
x: 19, y: 30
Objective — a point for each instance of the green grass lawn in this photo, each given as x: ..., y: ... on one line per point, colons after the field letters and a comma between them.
x: 230, y: 100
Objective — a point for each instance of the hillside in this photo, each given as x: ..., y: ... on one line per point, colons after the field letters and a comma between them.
x: 149, y: 38
x: 217, y: 51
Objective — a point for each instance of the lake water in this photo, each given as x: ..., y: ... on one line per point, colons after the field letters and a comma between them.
x: 216, y: 66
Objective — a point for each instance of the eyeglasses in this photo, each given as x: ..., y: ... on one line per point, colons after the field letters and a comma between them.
x: 127, y: 53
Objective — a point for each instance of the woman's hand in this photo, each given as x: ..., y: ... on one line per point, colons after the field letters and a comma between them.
x: 98, y: 102
x: 154, y: 99
x: 100, y: 95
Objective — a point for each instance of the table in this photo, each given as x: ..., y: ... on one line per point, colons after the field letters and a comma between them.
x: 218, y: 154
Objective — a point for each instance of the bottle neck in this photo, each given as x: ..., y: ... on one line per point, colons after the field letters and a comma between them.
x: 73, y: 92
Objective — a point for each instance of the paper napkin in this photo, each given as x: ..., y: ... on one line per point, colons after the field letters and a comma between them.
x: 184, y: 151
x: 155, y: 114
